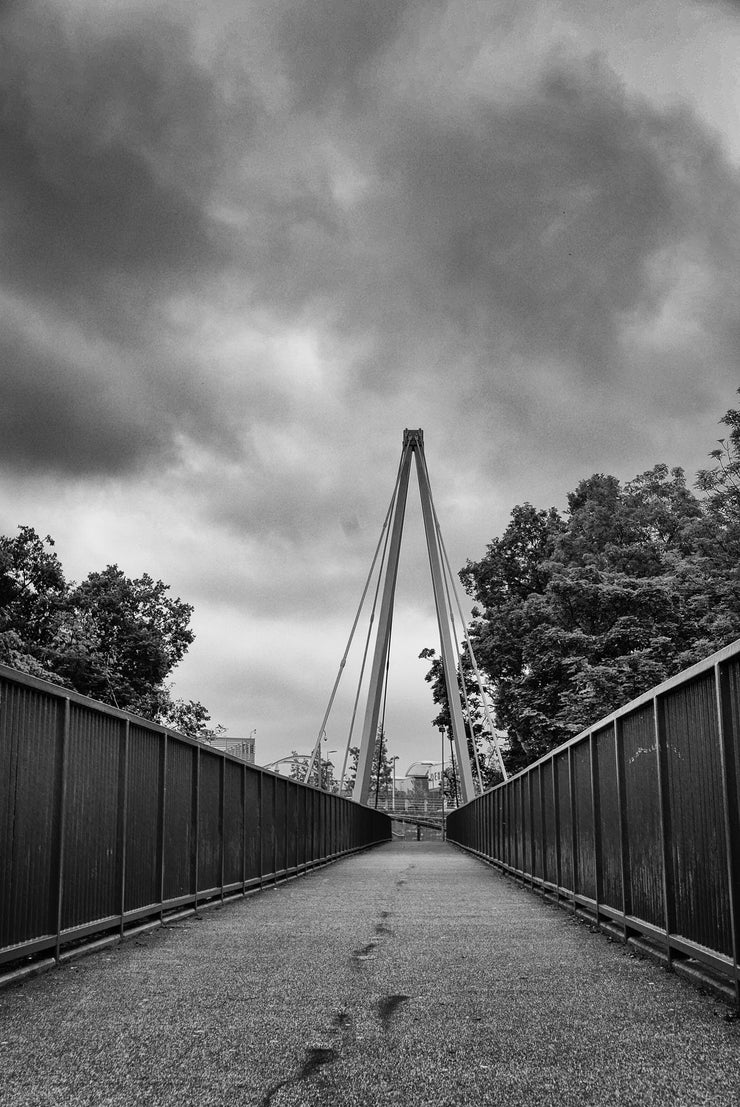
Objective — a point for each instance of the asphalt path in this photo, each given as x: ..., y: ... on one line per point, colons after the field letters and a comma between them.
x: 411, y: 974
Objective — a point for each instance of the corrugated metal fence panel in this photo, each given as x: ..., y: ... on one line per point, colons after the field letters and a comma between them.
x: 268, y: 862
x: 565, y: 821
x: 696, y: 814
x: 550, y: 825
x: 642, y: 814
x: 209, y: 821
x: 527, y: 838
x: 253, y: 827
x: 143, y: 818
x: 281, y: 824
x: 609, y: 821
x: 585, y: 880
x: 179, y: 821
x: 30, y: 777
x: 92, y: 855
x: 538, y: 855
x: 233, y: 833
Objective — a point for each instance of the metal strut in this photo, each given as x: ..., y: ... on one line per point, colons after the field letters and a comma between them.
x: 413, y: 446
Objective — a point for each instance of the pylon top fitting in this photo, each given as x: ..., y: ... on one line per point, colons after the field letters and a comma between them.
x: 413, y: 438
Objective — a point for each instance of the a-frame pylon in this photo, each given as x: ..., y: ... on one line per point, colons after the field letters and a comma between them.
x: 413, y: 446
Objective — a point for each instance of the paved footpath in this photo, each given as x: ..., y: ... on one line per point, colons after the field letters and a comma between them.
x: 410, y: 975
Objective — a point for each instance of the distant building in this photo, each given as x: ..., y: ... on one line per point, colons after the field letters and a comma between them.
x: 242, y: 748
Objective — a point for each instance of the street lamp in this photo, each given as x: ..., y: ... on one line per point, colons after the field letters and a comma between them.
x: 442, y: 777
x: 394, y: 760
x: 324, y: 761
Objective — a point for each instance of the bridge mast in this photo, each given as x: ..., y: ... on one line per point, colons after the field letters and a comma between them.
x: 413, y: 445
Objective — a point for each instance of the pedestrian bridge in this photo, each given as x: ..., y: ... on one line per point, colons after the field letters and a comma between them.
x: 112, y: 826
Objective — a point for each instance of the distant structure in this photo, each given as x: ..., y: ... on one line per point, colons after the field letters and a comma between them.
x: 420, y: 777
x: 243, y: 748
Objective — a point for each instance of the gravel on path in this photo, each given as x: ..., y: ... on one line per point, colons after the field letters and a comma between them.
x: 410, y: 975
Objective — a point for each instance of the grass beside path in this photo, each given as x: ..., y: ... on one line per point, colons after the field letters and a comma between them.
x: 409, y: 975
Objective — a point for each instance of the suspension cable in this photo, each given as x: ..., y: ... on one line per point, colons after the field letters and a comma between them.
x: 450, y: 615
x: 448, y: 584
x: 479, y: 681
x: 364, y: 660
x: 379, y: 738
x: 342, y: 663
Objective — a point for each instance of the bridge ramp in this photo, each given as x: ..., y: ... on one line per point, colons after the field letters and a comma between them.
x: 409, y: 975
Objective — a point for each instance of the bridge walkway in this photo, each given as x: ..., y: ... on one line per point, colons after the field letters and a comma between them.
x: 408, y: 975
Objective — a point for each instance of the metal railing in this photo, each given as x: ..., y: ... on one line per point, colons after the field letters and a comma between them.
x: 107, y: 820
x: 635, y: 820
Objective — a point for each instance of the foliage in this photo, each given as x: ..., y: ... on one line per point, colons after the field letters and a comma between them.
x: 577, y: 613
x: 110, y: 637
x: 299, y: 766
x: 633, y: 584
x: 721, y: 483
x: 476, y: 730
x: 381, y: 776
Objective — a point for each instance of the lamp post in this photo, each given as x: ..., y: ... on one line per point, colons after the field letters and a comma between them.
x: 324, y: 761
x: 442, y: 776
x: 394, y: 760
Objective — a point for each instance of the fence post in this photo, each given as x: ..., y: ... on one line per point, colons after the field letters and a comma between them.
x: 123, y: 813
x: 665, y: 826
x: 63, y: 769
x: 731, y: 817
x: 595, y: 813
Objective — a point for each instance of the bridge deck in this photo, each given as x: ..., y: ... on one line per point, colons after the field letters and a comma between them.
x: 408, y: 975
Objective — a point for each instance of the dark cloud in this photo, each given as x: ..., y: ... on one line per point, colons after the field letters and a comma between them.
x: 463, y: 254
x: 110, y: 153
x: 56, y: 416
x: 329, y: 44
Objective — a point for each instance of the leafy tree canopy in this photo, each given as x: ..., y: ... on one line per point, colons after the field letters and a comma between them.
x: 111, y: 637
x: 381, y: 776
x: 577, y: 613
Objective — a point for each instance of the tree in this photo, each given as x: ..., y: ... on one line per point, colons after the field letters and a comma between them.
x: 381, y: 776
x: 721, y: 483
x: 298, y: 768
x: 576, y: 615
x: 33, y: 594
x: 111, y: 637
x: 480, y: 745
x: 137, y: 634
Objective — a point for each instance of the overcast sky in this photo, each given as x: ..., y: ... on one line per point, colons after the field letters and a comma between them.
x: 244, y: 244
